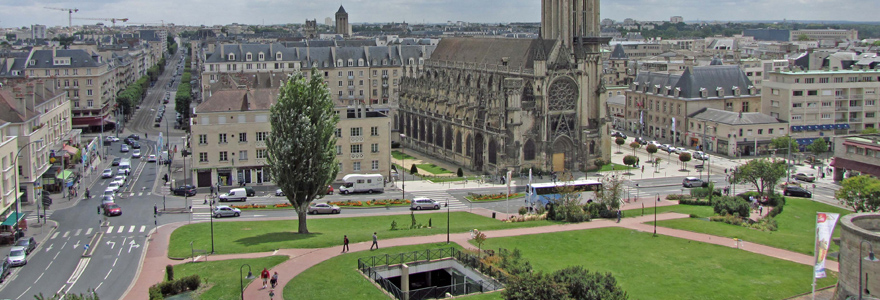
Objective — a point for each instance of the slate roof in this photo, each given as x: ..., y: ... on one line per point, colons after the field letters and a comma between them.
x: 79, y: 58
x: 520, y: 53
x: 694, y: 78
x: 16, y: 63
x: 734, y: 118
x: 618, y: 53
x: 341, y: 10
x: 9, y: 112
x: 239, y: 100
x: 323, y: 56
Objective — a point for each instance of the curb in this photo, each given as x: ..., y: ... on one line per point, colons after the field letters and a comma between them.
x: 140, y: 263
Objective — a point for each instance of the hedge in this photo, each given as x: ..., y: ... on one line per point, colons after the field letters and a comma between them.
x: 174, y: 287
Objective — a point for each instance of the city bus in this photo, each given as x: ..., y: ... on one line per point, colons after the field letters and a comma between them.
x: 544, y: 193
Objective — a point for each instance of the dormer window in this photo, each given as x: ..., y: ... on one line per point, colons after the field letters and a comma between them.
x: 339, y: 63
x: 677, y: 92
x: 412, y: 61
x: 752, y: 90
x: 360, y: 62
x: 736, y: 91
x: 249, y: 57
x: 384, y: 62
x: 278, y: 56
x: 33, y: 62
x: 350, y: 63
x: 719, y: 91
x: 657, y: 89
x: 231, y: 57
x: 262, y: 56
x: 421, y: 61
x: 704, y: 92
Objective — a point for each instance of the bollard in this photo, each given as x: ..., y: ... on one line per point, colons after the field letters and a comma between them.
x: 493, y: 215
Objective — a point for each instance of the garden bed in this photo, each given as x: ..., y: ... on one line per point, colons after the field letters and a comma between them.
x: 370, y: 203
x: 473, y: 197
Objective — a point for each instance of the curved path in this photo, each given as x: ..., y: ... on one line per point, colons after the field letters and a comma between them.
x: 152, y: 269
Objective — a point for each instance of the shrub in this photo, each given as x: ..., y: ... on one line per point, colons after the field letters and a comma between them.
x: 776, y: 211
x: 729, y: 219
x: 700, y: 192
x: 730, y: 206
x: 607, y: 214
x: 393, y: 225
x: 694, y: 202
x: 192, y: 282
x: 167, y: 288
x: 179, y: 285
x: 765, y: 224
x: 156, y: 293
x: 523, y: 210
x: 460, y: 173
x: 169, y: 272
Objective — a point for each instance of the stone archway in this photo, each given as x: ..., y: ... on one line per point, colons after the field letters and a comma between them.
x: 564, y: 154
x: 493, y: 151
x: 478, y: 152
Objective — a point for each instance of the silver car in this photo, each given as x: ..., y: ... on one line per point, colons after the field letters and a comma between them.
x: 108, y: 173
x: 17, y: 256
x: 424, y: 203
x: 323, y: 208
x: 226, y: 211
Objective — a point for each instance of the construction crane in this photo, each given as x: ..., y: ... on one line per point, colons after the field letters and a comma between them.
x: 112, y: 20
x: 69, y: 11
x: 148, y: 24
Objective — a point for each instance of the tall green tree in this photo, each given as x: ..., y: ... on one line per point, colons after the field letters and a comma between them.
x: 861, y: 193
x: 870, y: 130
x: 302, y: 144
x: 762, y: 173
x: 619, y: 141
x: 782, y: 144
x: 818, y: 147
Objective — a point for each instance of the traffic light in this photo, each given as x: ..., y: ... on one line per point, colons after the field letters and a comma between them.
x: 47, y: 201
x: 184, y: 153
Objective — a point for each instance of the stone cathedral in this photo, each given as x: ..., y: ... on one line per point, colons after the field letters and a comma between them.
x: 498, y: 104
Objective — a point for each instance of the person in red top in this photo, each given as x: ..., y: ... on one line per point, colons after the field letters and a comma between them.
x: 265, y: 276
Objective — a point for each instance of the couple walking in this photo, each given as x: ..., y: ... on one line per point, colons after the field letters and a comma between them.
x: 345, y: 243
x: 265, y: 276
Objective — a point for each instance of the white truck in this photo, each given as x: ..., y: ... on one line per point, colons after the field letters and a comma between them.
x: 359, y: 183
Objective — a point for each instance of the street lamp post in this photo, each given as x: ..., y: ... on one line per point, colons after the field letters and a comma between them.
x: 870, y: 258
x: 212, y: 224
x: 402, y: 173
x: 447, y: 222
x: 241, y: 279
x: 17, y: 189
x: 655, y: 214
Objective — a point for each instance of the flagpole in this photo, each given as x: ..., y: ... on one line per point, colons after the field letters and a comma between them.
x: 815, y: 256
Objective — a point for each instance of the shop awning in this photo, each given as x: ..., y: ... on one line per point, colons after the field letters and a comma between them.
x: 12, y: 217
x: 805, y: 141
x: 795, y: 128
x: 65, y: 174
x: 70, y: 149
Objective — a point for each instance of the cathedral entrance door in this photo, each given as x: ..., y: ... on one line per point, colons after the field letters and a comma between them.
x: 558, y: 162
x: 478, y: 152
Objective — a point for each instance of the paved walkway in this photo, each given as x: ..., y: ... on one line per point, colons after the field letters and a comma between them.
x: 156, y: 257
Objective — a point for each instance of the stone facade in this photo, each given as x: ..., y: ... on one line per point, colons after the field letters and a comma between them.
x: 854, y: 229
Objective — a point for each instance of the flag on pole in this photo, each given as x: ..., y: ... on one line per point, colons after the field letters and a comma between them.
x: 824, y: 228
x: 509, y: 174
x: 529, y: 188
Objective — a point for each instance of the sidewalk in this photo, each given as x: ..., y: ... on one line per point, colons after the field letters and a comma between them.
x: 152, y: 267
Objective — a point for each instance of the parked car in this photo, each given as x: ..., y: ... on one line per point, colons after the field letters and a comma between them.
x: 323, y: 208
x: 680, y: 150
x: 136, y: 153
x: 279, y: 193
x: 700, y: 155
x: 17, y: 256
x: 238, y: 194
x: 690, y: 182
x: 804, y: 177
x: 112, y: 138
x: 793, y: 190
x: 250, y: 191
x: 29, y: 244
x: 618, y: 134
x: 641, y: 141
x: 119, y: 180
x: 184, y: 190
x: 108, y: 173
x: 107, y: 199
x: 115, y: 161
x: 123, y: 148
x: 424, y: 203
x: 135, y: 137
x: 226, y: 211
x: 666, y: 147
x: 112, y: 210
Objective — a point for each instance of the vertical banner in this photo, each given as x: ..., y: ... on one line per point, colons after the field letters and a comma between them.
x: 824, y: 228
x: 509, y: 174
x: 528, y: 189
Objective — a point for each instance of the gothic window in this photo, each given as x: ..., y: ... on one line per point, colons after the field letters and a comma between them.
x: 458, y: 142
x: 529, y: 150
x: 448, y: 138
x: 528, y: 94
x: 429, y: 130
x: 438, y: 139
x: 493, y: 157
x: 563, y: 94
x: 469, y: 146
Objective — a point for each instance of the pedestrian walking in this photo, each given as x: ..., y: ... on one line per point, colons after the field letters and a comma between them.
x: 345, y: 244
x: 760, y: 209
x: 99, y: 209
x: 265, y: 276
x: 212, y: 190
x: 619, y: 214
x: 274, y: 280
x: 375, y: 241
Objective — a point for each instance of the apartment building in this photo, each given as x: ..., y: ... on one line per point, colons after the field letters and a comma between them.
x: 8, y: 150
x: 835, y: 35
x: 228, y: 139
x: 34, y: 109
x: 823, y: 103
x: 89, y: 81
x: 659, y: 105
x: 856, y: 155
x: 639, y: 50
x: 733, y: 133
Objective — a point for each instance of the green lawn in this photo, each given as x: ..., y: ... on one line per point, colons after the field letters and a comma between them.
x: 665, y: 267
x: 224, y: 276
x: 796, y: 227
x: 400, y: 155
x: 433, y: 169
x: 449, y: 178
x: 342, y: 273
x: 261, y: 236
x: 635, y: 209
x: 615, y: 167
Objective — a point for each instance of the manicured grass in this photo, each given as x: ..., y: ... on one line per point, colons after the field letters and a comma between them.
x: 635, y: 210
x: 400, y: 155
x: 796, y: 226
x: 664, y: 267
x: 262, y: 207
x: 262, y: 236
x: 341, y: 272
x: 615, y: 167
x: 449, y: 178
x: 433, y: 169
x: 223, y: 276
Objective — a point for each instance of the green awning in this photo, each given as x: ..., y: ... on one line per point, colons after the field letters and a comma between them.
x: 65, y: 174
x: 11, y: 219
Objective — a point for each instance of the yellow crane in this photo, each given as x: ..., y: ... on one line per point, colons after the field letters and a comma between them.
x: 69, y: 11
x: 112, y: 20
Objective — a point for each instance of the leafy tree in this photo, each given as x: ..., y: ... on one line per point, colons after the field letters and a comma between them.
x: 536, y: 286
x: 513, y: 263
x: 480, y: 238
x: 585, y: 285
x: 870, y: 130
x: 635, y: 145
x: 783, y: 143
x: 630, y: 160
x: 761, y: 173
x: 414, y: 170
x: 651, y: 148
x: 803, y: 37
x: 599, y: 163
x: 818, y: 147
x: 619, y: 141
x: 460, y: 173
x: 861, y: 193
x: 302, y: 143
x: 684, y: 157
x: 611, y: 192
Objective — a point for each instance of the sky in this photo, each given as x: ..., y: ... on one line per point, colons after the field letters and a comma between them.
x: 16, y: 13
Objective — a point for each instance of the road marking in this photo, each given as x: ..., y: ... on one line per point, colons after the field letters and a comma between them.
x: 38, y: 278
x: 121, y: 228
x: 89, y: 231
x: 50, y: 264
x: 66, y: 233
x: 54, y: 235
x: 80, y: 267
x: 25, y: 292
x: 143, y: 227
x: 112, y: 244
x: 62, y: 247
x: 130, y: 230
x: 76, y: 245
x: 78, y: 231
x: 132, y: 245
x: 99, y: 285
x: 114, y: 263
x: 49, y: 248
x: 59, y: 290
x: 56, y: 253
x: 110, y: 229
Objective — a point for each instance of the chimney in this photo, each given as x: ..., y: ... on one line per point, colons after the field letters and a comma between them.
x: 222, y: 51
x: 740, y: 115
x: 41, y: 87
x: 19, y: 95
x: 54, y: 51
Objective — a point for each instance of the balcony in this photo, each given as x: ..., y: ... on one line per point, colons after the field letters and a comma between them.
x: 357, y: 156
x: 855, y: 119
x: 841, y: 120
x: 841, y: 108
x: 841, y: 97
x: 384, y: 76
x: 856, y: 108
x: 356, y: 139
x: 350, y: 76
x: 350, y: 87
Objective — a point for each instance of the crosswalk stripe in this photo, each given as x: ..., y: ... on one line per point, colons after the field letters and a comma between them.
x: 442, y: 197
x: 130, y: 230
x: 89, y: 231
x: 143, y: 227
x: 54, y: 235
x: 110, y: 229
x: 121, y: 228
x: 78, y: 231
x: 66, y: 233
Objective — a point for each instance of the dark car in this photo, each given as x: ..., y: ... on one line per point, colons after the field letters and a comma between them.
x: 135, y: 145
x: 641, y: 141
x: 793, y: 190
x: 112, y: 210
x: 618, y: 134
x: 115, y: 162
x: 29, y: 244
x: 184, y: 190
x: 250, y: 191
x: 135, y: 137
x: 128, y: 141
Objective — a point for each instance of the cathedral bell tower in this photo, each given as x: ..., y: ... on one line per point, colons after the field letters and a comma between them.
x: 569, y: 19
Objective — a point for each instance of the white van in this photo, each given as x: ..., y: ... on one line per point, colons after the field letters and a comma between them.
x: 359, y: 183
x: 125, y: 164
x: 424, y: 203
x: 238, y: 194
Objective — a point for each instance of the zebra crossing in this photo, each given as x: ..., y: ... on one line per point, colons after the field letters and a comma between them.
x: 33, y: 217
x: 200, y: 211
x: 87, y: 232
x: 133, y: 194
x: 442, y: 197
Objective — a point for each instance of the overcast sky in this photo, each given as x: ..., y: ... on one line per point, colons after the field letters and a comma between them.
x: 16, y: 13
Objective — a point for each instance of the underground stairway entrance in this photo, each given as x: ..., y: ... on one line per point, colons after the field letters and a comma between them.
x: 430, y: 274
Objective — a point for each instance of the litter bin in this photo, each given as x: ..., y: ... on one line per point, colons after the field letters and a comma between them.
x: 493, y: 215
